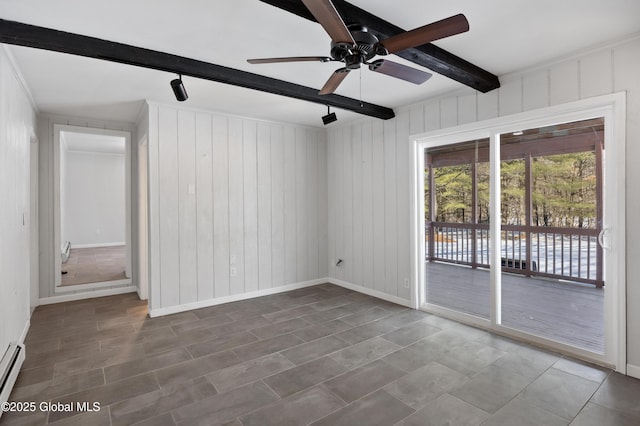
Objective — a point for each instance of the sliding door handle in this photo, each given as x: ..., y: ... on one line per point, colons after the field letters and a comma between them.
x: 601, y: 239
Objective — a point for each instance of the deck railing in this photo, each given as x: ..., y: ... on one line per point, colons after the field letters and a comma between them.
x: 571, y: 254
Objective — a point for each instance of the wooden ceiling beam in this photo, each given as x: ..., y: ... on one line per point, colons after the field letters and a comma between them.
x: 429, y: 55
x: 21, y: 34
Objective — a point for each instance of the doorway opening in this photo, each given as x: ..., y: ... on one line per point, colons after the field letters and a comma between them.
x: 93, y: 214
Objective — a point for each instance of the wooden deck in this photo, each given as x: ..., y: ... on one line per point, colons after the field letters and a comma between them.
x: 565, y: 312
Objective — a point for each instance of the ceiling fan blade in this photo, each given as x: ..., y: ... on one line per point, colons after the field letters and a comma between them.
x: 334, y: 81
x: 325, y: 13
x: 290, y: 59
x: 447, y: 27
x: 400, y: 71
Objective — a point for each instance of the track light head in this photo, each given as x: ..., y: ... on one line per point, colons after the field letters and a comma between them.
x: 178, y: 90
x: 329, y: 118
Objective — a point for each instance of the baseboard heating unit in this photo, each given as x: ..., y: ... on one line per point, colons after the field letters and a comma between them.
x: 9, y: 368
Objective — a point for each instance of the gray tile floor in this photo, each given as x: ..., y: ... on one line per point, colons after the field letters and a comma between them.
x: 321, y: 355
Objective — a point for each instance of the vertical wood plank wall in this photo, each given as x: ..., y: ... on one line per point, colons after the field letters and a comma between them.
x: 369, y: 191
x: 236, y: 205
x: 17, y: 123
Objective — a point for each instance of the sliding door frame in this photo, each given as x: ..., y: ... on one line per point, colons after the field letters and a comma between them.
x: 612, y: 108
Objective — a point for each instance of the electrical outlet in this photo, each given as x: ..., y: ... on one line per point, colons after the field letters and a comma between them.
x: 233, y: 272
x: 406, y: 283
x: 232, y: 259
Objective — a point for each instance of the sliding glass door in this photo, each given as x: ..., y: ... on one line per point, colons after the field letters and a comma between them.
x: 520, y: 229
x: 456, y: 198
x: 551, y: 213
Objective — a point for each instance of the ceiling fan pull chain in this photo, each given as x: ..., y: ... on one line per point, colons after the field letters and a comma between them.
x: 361, y: 104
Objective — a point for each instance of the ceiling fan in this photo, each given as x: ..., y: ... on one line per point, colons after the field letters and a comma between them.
x: 354, y: 45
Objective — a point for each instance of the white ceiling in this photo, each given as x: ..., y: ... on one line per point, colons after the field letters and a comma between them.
x: 505, y: 36
x: 93, y: 143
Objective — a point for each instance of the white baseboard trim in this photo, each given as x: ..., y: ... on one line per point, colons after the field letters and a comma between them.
x: 237, y: 297
x: 633, y: 371
x: 25, y: 330
x: 371, y: 292
x: 87, y: 295
x: 90, y: 286
x: 140, y: 296
x: 77, y: 246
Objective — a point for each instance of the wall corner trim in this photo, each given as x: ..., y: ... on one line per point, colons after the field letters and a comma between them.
x: 18, y: 74
x: 371, y: 292
x: 633, y: 371
x: 23, y: 335
x: 234, y: 298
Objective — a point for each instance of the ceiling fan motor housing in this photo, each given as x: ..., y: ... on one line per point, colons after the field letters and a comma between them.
x: 364, y: 49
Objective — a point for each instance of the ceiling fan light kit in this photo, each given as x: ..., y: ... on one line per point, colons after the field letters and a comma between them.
x: 354, y: 45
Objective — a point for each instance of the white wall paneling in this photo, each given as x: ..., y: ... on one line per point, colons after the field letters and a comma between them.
x: 17, y: 122
x: 313, y: 197
x: 509, y: 95
x: 303, y: 183
x: 276, y: 164
x: 150, y: 116
x: 487, y: 106
x: 449, y: 112
x: 402, y: 201
x: 346, y: 252
x: 467, y: 109
x: 187, y: 206
x: 334, y: 207
x: 290, y: 207
x: 221, y: 268
x: 33, y: 222
x: 169, y: 203
x: 390, y: 214
x: 416, y: 118
x: 265, y: 207
x: 204, y: 206
x: 237, y: 210
x: 596, y: 74
x: 606, y: 70
x: 236, y: 207
x: 432, y: 115
x: 564, y: 84
x: 251, y: 212
x: 323, y: 205
x: 535, y: 90
x: 358, y: 211
x: 366, y: 189
x: 378, y: 205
